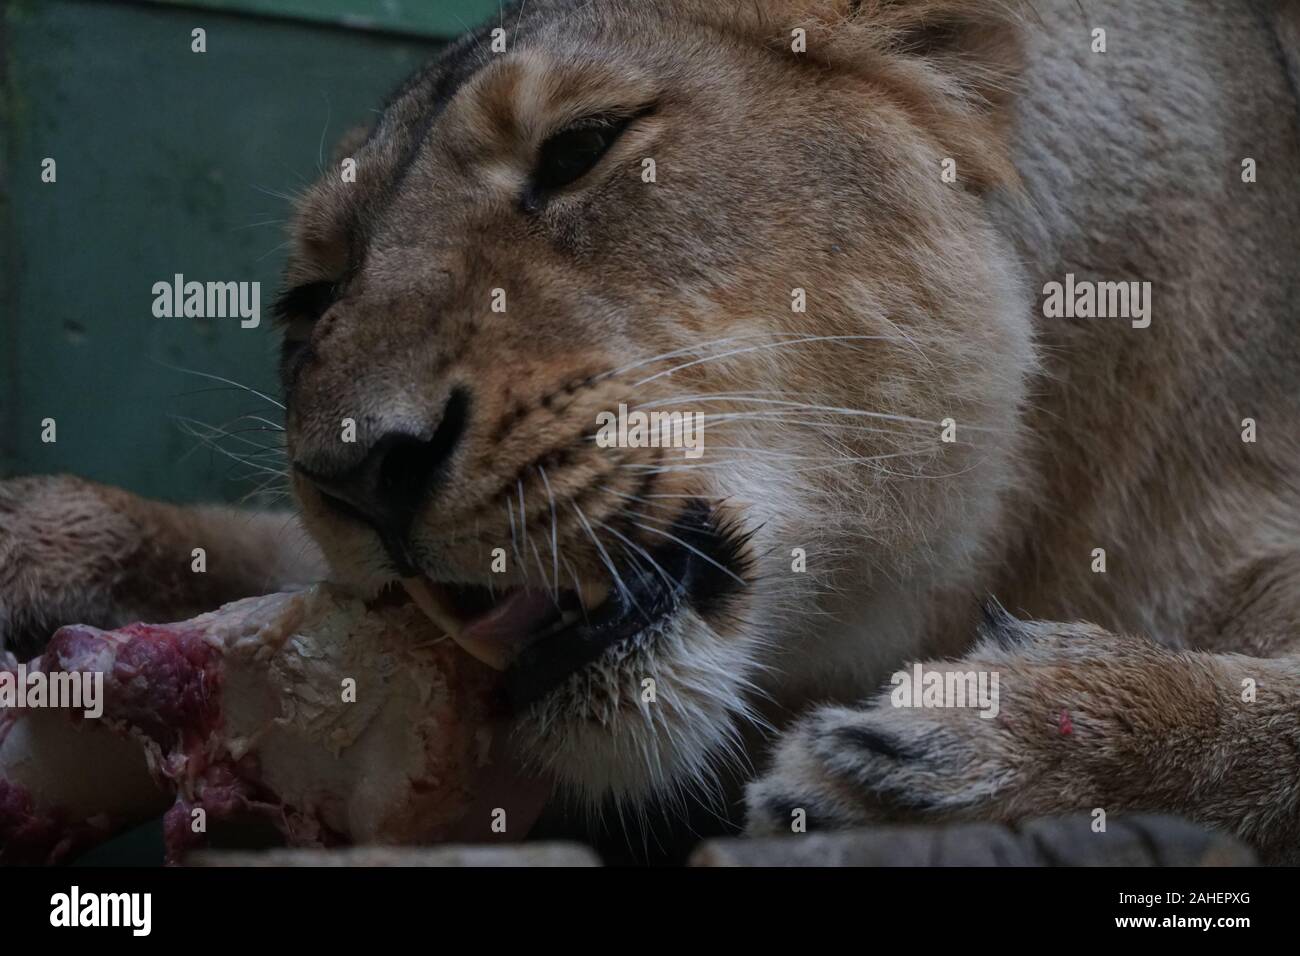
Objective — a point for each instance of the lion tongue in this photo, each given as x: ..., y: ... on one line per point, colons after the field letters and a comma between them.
x: 508, y: 624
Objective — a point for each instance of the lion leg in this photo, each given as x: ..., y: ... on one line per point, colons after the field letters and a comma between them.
x: 1085, y: 721
x: 75, y: 552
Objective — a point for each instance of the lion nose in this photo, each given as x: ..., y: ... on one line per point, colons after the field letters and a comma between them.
x: 389, y: 485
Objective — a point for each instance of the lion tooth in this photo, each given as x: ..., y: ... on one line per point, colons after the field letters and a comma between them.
x: 565, y: 620
x: 593, y: 594
x: 429, y: 598
x: 433, y: 604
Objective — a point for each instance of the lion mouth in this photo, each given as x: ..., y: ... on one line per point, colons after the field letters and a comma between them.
x: 540, y: 637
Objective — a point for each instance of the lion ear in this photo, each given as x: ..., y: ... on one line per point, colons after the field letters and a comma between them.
x: 976, y: 43
x: 960, y: 58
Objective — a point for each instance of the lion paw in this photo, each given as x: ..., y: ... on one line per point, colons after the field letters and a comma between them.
x: 1050, y: 716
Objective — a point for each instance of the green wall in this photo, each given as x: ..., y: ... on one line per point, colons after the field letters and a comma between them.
x: 168, y: 161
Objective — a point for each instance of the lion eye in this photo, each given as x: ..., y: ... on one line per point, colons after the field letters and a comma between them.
x: 569, y: 155
x: 309, y: 301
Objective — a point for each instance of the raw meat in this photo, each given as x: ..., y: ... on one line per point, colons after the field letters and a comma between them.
x: 338, y: 722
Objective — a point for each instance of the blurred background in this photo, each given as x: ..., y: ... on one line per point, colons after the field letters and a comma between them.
x: 167, y: 161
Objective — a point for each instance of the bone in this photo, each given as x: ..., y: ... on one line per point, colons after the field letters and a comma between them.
x: 250, y: 709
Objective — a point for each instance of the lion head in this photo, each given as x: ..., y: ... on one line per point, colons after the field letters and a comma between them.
x: 768, y: 215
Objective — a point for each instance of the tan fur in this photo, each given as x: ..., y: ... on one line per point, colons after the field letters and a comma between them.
x: 821, y: 171
x: 72, y: 551
x: 1088, y: 721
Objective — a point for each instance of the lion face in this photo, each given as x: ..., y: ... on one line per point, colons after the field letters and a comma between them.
x: 663, y: 207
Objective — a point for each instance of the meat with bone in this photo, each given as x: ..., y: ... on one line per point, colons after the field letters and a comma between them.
x: 338, y: 722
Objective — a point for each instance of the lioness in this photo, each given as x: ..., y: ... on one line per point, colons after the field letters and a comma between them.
x: 841, y: 231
